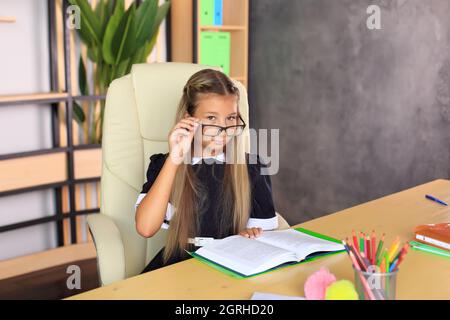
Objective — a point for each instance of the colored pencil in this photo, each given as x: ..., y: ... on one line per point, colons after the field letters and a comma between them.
x: 358, y: 257
x: 366, y: 261
x: 393, y: 264
x: 355, y: 240
x: 397, y: 255
x: 366, y: 252
x: 361, y: 242
x: 393, y: 248
x: 382, y: 266
x: 373, y: 247
x: 361, y: 276
x: 380, y: 246
x: 365, y: 245
x: 386, y: 259
x: 404, y: 251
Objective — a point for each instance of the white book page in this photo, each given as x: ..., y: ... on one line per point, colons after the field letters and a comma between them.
x: 298, y: 242
x: 244, y: 255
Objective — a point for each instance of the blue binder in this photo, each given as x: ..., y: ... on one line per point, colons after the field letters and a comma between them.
x: 218, y: 12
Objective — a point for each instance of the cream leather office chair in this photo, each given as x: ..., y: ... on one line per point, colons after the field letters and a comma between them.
x: 140, y: 110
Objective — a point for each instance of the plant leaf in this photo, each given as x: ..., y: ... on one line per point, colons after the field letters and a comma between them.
x: 92, y: 53
x: 124, y: 43
x: 100, y: 11
x: 145, y: 19
x: 160, y: 15
x: 141, y: 54
x: 119, y: 5
x: 110, y: 6
x: 137, y: 58
x: 82, y: 80
x: 110, y: 32
x: 121, y: 69
x: 105, y: 77
x: 145, y: 49
x: 89, y: 22
x: 85, y: 37
x: 149, y: 47
x: 78, y: 113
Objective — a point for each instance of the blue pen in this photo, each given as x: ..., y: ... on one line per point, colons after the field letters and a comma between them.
x: 435, y: 199
x: 394, y: 263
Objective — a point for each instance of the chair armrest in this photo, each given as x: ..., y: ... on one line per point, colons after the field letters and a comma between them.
x: 109, y: 246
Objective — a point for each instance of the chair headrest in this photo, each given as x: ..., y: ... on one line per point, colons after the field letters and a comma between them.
x: 158, y: 88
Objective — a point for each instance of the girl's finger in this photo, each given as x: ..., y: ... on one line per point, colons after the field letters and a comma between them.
x: 182, y: 131
x: 244, y: 234
x: 257, y: 231
x: 179, y: 132
x: 184, y: 126
x: 187, y: 121
x: 192, y: 124
x: 251, y: 233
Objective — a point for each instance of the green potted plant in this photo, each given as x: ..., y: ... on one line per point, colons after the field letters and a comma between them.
x: 115, y: 39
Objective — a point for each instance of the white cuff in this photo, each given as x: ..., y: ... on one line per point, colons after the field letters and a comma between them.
x: 265, y: 224
x: 139, y: 199
x: 169, y: 214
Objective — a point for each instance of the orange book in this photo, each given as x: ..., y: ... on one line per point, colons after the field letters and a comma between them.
x: 437, y: 235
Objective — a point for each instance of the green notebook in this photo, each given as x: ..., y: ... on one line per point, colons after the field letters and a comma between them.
x: 241, y: 258
x: 215, y: 49
x: 430, y: 249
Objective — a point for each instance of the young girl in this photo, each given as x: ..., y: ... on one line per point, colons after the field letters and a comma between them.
x: 208, y: 191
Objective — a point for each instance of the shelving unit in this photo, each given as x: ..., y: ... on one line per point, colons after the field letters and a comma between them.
x: 7, y: 100
x: 67, y: 165
x: 221, y: 28
x: 7, y: 19
x: 185, y: 42
x: 70, y: 166
x: 235, y: 21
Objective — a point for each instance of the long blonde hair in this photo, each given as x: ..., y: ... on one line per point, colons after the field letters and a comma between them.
x: 187, y: 192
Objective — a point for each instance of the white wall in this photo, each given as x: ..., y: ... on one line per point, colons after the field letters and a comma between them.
x: 24, y: 68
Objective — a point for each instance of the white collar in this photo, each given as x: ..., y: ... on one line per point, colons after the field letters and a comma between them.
x: 219, y: 157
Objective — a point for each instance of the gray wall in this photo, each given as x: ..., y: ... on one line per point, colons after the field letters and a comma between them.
x: 361, y: 113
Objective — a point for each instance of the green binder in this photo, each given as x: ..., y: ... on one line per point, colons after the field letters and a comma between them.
x: 206, y: 12
x: 215, y: 49
x: 237, y: 275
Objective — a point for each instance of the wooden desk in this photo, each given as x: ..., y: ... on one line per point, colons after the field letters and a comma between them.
x: 421, y: 276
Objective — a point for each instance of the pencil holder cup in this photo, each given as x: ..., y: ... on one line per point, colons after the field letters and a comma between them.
x: 376, y: 285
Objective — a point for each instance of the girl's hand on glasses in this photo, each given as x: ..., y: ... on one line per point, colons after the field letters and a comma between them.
x: 251, y: 232
x: 180, y: 138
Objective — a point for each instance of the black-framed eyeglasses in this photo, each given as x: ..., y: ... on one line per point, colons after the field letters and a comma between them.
x: 212, y: 130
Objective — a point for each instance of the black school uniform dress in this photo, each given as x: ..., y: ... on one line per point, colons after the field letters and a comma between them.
x: 210, y: 172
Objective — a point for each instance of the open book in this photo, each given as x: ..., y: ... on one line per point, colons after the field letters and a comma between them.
x: 248, y: 257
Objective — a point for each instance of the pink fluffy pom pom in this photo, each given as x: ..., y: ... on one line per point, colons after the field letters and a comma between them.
x: 317, y: 283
